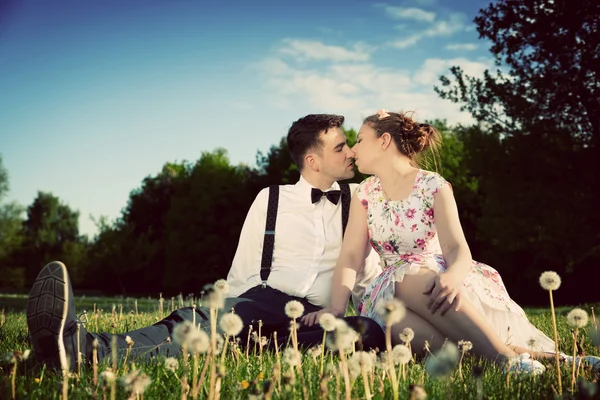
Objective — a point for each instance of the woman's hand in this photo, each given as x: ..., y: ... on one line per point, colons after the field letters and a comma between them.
x: 444, y: 291
x: 313, y: 318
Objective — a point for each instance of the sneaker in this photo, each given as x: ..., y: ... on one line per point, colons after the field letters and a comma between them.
x: 52, y: 320
x: 523, y: 363
x: 587, y: 360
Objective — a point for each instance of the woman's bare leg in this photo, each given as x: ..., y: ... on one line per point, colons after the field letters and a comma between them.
x: 464, y: 324
x: 535, y: 354
x: 424, y: 331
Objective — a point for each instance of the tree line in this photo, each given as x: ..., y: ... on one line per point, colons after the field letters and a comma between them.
x: 525, y: 177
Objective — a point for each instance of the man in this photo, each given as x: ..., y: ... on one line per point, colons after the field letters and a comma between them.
x: 293, y: 260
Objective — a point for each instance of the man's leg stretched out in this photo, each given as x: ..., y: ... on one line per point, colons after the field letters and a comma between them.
x: 57, y: 334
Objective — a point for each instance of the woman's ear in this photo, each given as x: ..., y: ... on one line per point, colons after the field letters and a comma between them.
x: 386, y: 140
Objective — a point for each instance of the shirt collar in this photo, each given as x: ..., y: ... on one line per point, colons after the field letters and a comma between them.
x: 304, y: 188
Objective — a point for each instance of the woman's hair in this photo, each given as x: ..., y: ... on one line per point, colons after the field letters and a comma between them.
x: 410, y: 137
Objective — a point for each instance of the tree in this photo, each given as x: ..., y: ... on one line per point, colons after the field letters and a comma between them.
x: 51, y: 232
x: 540, y: 111
x: 11, y: 236
x: 552, y: 54
x: 3, y: 179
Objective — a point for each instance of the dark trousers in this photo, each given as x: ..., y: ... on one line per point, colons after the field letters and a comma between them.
x: 265, y: 304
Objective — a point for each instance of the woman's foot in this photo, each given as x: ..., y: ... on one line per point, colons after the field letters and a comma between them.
x: 523, y: 363
x: 587, y: 360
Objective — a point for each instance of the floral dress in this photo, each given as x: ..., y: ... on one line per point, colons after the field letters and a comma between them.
x: 404, y: 234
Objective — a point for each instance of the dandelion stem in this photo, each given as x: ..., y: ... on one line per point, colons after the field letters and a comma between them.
x: 388, y: 344
x: 13, y: 380
x: 574, y: 358
x: 555, y: 343
x: 213, y: 353
x: 323, y: 353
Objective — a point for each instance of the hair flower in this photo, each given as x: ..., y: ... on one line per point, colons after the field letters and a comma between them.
x: 382, y: 113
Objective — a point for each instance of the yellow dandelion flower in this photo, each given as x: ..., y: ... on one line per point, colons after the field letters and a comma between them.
x: 244, y: 384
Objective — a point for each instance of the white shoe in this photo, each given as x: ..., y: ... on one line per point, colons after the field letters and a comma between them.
x: 523, y: 363
x: 589, y: 360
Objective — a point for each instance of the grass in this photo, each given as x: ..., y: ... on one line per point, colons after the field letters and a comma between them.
x: 243, y: 378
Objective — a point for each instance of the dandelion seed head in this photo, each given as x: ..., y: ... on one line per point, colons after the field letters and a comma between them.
x: 231, y: 324
x: 213, y: 297
x: 107, y: 376
x: 129, y: 340
x: 342, y: 337
x: 199, y: 342
x: 417, y: 392
x: 465, y: 345
x: 171, y: 363
x: 401, y: 354
x: 315, y: 351
x: 550, y: 280
x: 223, y: 286
x: 327, y: 322
x: 354, y: 366
x: 136, y: 381
x: 532, y: 342
x: 577, y: 318
x: 291, y: 356
x: 294, y: 309
x: 444, y: 361
x: 391, y: 311
x: 407, y: 335
x: 182, y: 331
x: 220, y: 343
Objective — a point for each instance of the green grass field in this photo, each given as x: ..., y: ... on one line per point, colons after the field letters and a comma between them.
x: 244, y: 375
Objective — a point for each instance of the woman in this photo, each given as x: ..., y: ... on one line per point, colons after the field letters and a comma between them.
x: 409, y: 216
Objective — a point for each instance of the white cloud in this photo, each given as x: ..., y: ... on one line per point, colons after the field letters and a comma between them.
x: 309, y: 50
x: 432, y: 68
x: 413, y: 13
x: 453, y: 24
x: 461, y: 47
x: 357, y: 90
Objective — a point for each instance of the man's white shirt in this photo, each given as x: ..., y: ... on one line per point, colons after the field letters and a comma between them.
x: 308, y: 240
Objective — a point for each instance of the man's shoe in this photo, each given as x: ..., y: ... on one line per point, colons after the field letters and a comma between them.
x: 52, y: 320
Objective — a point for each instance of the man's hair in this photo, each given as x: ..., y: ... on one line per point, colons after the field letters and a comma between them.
x: 304, y: 134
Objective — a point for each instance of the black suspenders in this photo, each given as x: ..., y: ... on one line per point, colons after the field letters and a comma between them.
x: 269, y: 241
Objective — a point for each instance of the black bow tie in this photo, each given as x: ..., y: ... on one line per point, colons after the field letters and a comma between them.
x: 332, y: 195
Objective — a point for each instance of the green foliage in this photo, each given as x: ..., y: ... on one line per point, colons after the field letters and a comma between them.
x: 50, y: 232
x: 3, y: 179
x: 535, y: 157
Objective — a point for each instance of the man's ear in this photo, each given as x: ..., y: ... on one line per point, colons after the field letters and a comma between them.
x: 386, y: 140
x: 312, y: 161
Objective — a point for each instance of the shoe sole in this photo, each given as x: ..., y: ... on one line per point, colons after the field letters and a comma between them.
x: 47, y: 313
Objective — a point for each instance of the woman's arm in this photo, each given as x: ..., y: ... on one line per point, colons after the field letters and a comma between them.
x: 455, y: 250
x: 352, y: 257
x: 350, y: 262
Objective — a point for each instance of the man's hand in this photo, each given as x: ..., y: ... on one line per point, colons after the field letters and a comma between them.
x: 444, y: 291
x: 313, y: 318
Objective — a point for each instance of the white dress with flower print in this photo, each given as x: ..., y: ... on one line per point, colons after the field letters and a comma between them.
x: 404, y: 234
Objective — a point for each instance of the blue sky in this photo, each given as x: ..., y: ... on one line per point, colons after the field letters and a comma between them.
x: 97, y: 95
